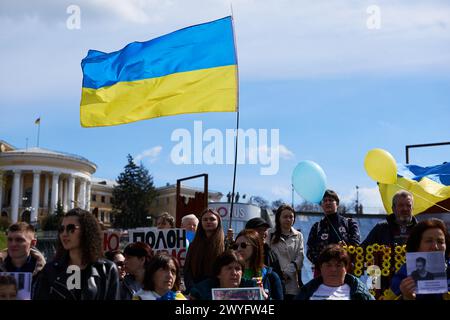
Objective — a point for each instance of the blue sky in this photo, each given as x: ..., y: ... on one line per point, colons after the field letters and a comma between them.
x: 333, y: 87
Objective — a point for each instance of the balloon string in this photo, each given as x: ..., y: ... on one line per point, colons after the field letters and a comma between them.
x: 419, y: 196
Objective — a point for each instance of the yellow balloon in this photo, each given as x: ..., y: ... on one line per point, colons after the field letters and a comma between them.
x: 380, y: 165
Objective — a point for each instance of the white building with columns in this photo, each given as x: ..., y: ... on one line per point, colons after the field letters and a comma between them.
x: 34, y: 181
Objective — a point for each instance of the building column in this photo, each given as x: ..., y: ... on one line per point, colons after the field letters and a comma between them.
x: 1, y: 190
x: 35, y: 196
x: 66, y: 195
x: 15, y: 196
x: 88, y: 196
x: 21, y: 191
x: 55, y: 192
x: 71, y: 191
x: 46, y: 189
x: 82, y: 194
x: 60, y: 190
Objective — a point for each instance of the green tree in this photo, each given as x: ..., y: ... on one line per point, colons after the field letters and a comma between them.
x: 132, y: 196
x: 52, y: 221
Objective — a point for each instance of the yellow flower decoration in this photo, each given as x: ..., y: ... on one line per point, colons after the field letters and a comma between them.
x: 398, y: 249
x: 386, y: 257
x: 357, y: 273
x: 359, y: 258
x: 398, y: 265
x: 351, y: 249
x: 376, y: 247
x: 369, y: 257
x: 385, y: 272
x: 358, y: 265
x: 386, y: 264
x: 359, y: 250
x: 369, y: 249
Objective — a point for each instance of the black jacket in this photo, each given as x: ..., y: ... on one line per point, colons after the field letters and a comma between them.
x: 389, y: 232
x: 128, y: 287
x: 322, y: 234
x: 101, y: 282
x: 271, y: 260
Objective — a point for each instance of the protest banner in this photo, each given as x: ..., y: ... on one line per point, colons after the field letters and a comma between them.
x: 172, y: 241
x: 111, y: 240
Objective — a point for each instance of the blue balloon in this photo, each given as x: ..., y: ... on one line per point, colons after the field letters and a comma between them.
x: 309, y: 181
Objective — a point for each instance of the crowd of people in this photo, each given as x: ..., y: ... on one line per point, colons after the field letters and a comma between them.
x: 269, y: 259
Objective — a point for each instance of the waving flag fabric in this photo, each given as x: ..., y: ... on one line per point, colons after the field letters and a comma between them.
x: 187, y: 71
x: 429, y: 185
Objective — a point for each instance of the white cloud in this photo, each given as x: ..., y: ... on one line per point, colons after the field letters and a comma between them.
x: 285, y: 153
x: 281, y: 192
x: 276, y: 39
x: 152, y: 154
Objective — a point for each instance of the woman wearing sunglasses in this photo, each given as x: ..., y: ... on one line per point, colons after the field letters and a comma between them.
x: 162, y: 280
x: 118, y: 258
x: 207, y: 245
x: 287, y: 243
x: 249, y: 246
x: 78, y: 271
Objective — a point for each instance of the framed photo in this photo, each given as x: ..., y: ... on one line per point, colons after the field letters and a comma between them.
x: 237, y: 294
x: 428, y: 270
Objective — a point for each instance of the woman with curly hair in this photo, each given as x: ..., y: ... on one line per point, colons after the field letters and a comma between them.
x: 207, y: 245
x: 78, y: 271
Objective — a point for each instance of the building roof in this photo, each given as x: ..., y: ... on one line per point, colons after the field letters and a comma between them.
x: 105, y: 182
x: 46, y: 152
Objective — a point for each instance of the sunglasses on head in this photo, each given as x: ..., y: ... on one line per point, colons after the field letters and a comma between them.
x: 236, y: 246
x: 70, y: 228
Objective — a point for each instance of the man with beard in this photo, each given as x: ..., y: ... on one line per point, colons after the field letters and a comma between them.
x: 394, y: 231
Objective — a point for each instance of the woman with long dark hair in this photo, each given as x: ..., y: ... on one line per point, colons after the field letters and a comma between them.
x: 207, y: 245
x: 249, y: 246
x: 287, y: 243
x: 78, y: 271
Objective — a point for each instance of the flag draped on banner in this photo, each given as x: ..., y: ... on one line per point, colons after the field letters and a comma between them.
x: 187, y: 71
x: 430, y: 187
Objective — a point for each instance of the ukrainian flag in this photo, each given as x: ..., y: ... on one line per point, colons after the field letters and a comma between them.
x: 187, y: 71
x: 430, y: 187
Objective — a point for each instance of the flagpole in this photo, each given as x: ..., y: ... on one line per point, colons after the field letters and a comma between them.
x: 237, y: 120
x: 39, y: 131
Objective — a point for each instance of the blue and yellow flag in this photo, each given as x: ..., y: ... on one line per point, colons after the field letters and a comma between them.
x: 187, y: 71
x: 430, y: 187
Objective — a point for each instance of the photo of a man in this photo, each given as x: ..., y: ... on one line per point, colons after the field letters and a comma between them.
x: 421, y: 272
